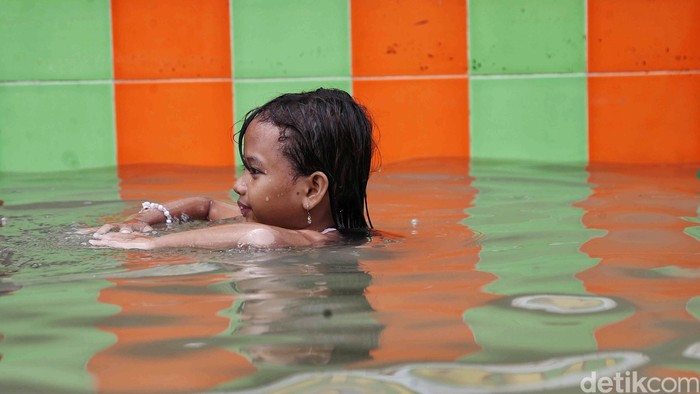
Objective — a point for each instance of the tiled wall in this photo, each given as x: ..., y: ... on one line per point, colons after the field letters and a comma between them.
x: 89, y: 83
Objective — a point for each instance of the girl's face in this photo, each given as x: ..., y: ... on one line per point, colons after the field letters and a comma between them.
x: 268, y: 192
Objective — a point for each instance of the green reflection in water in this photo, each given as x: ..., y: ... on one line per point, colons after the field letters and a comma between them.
x: 531, y: 239
x: 694, y: 231
x: 532, y: 233
x: 49, y: 308
x: 49, y: 336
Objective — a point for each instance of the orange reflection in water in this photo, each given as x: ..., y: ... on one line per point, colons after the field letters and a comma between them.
x: 646, y: 257
x: 166, y: 182
x: 161, y: 329
x: 425, y: 322
x: 419, y: 297
x: 161, y: 334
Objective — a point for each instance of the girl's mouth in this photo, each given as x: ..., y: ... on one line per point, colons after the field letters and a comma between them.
x: 245, y: 210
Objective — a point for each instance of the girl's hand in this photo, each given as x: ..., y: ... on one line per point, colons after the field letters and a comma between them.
x: 123, y: 241
x: 126, y: 227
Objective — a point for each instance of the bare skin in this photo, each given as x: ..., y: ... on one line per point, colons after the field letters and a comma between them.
x: 216, y: 237
x: 195, y: 208
x: 274, y: 203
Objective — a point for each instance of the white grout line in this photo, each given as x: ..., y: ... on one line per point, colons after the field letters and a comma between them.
x: 355, y: 78
x: 234, y: 115
x: 470, y: 95
x: 113, y: 88
x: 350, y: 45
x: 587, y: 107
x: 230, y: 37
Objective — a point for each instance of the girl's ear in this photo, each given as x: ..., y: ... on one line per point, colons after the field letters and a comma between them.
x: 316, y: 187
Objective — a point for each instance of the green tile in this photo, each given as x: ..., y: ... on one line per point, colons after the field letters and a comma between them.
x: 250, y: 95
x: 541, y: 119
x: 526, y: 36
x: 281, y: 38
x: 56, y: 127
x: 55, y: 40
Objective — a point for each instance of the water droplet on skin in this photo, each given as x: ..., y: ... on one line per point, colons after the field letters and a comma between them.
x: 267, y: 198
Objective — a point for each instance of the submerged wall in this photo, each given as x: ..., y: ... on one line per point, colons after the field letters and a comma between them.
x: 88, y: 83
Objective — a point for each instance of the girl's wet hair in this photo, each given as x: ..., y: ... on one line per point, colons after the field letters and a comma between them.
x: 326, y: 130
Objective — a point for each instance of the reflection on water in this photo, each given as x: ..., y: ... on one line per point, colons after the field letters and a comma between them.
x: 564, y: 304
x: 161, y: 328
x: 454, y: 378
x: 645, y: 214
x: 532, y: 235
x: 490, y: 277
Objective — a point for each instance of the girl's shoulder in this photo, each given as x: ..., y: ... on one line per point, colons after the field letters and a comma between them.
x: 277, y: 237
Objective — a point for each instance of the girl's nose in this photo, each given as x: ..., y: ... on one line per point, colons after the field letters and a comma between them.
x: 239, y: 185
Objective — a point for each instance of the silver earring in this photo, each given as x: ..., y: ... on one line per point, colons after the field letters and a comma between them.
x: 308, y: 213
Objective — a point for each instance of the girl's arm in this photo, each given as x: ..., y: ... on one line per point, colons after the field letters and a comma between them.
x: 227, y: 236
x: 194, y: 208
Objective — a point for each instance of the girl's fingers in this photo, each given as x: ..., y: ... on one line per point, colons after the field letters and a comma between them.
x: 124, y: 228
x: 137, y: 225
x: 122, y: 241
x: 134, y: 225
x: 97, y: 242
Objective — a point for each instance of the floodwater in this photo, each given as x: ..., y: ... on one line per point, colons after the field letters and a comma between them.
x: 486, y: 277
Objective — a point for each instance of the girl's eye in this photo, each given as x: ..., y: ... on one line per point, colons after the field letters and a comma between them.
x: 252, y: 170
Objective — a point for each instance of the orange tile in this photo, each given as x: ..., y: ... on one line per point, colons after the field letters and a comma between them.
x: 644, y: 119
x: 418, y: 118
x: 179, y: 123
x: 408, y: 37
x: 635, y: 35
x: 171, y: 39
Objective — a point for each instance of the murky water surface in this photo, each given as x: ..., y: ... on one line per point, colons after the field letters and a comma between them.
x: 489, y: 277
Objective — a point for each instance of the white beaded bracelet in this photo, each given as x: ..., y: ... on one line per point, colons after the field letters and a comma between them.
x: 151, y: 205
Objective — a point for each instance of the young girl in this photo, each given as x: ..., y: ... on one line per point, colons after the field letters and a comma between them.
x: 307, y: 159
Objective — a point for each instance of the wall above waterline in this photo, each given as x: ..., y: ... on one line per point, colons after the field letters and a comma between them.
x: 98, y: 83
